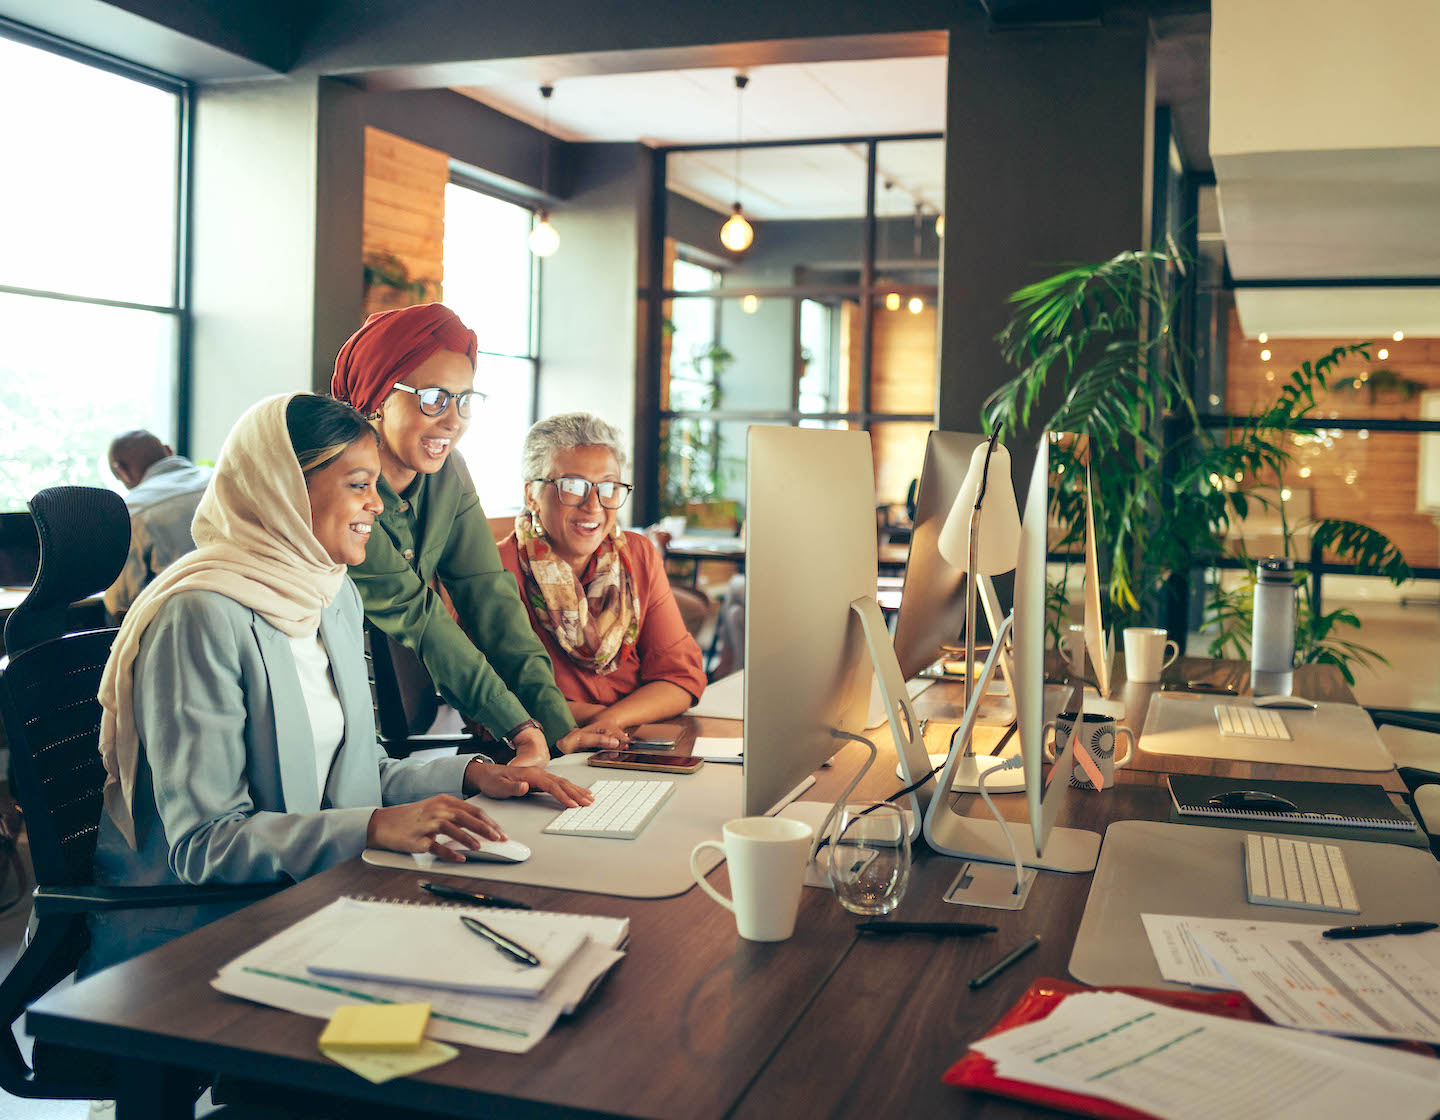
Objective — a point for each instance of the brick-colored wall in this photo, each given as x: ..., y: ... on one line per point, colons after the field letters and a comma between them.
x: 1370, y: 477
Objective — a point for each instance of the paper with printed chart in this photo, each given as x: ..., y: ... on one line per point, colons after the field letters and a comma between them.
x: 1370, y: 987
x: 1183, y: 1065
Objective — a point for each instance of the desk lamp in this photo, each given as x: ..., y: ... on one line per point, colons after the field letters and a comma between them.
x: 981, y: 537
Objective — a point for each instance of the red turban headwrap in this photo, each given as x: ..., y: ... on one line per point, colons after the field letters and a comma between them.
x: 390, y: 345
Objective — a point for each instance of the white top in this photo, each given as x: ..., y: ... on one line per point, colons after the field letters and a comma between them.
x: 322, y: 703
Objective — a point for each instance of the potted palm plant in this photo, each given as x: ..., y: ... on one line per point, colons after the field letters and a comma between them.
x: 1096, y: 352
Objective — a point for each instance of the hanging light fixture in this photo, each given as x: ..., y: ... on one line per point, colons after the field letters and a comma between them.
x: 736, y: 234
x: 916, y: 305
x: 939, y: 225
x: 543, y: 240
x: 892, y: 299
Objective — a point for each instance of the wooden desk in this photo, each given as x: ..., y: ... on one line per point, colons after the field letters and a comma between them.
x: 695, y: 1022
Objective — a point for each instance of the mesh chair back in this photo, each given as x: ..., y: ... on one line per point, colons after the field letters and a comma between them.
x: 84, y: 536
x: 52, y: 721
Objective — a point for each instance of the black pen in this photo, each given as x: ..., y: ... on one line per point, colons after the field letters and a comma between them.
x: 512, y: 949
x: 950, y: 929
x: 1004, y: 962
x: 455, y: 894
x: 1344, y: 933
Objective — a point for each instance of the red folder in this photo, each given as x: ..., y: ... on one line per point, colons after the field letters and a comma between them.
x: 976, y: 1071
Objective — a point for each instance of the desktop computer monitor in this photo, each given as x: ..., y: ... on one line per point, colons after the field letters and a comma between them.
x: 932, y: 605
x: 1057, y: 849
x: 19, y: 550
x: 810, y: 552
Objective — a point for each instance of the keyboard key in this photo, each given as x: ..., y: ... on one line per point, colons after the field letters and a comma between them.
x: 1250, y: 723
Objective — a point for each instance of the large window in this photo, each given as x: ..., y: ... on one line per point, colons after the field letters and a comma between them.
x: 90, y: 288
x: 490, y: 284
x: 827, y: 320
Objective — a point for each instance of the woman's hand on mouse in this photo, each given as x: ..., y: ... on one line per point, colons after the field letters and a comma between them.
x: 418, y: 826
x: 516, y: 781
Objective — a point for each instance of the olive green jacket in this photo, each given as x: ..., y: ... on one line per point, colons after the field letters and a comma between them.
x: 504, y: 676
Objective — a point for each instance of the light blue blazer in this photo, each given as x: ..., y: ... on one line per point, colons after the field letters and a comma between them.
x: 226, y: 790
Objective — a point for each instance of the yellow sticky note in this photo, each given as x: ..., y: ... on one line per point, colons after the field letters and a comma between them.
x: 380, y: 1066
x: 376, y: 1026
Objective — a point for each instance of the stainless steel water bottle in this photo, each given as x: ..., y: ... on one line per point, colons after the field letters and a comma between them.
x: 1272, y: 639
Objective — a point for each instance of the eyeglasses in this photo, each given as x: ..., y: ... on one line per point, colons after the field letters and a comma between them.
x: 574, y: 491
x: 434, y: 401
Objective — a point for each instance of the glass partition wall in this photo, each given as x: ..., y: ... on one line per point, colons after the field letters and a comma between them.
x: 828, y: 319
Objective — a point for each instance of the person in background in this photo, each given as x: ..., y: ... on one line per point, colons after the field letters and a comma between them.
x: 597, y: 595
x: 237, y: 731
x: 411, y: 372
x: 164, y: 489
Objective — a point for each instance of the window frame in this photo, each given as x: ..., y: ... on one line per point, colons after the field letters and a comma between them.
x: 655, y: 296
x: 179, y: 307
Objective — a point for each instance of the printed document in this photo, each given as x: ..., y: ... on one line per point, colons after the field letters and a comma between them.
x: 1183, y: 1065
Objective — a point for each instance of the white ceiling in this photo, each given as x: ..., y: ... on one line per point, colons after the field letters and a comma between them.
x: 1358, y: 313
x: 789, y: 101
x: 819, y: 181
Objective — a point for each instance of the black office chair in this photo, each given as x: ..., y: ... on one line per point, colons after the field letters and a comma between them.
x: 51, y: 714
x: 405, y: 700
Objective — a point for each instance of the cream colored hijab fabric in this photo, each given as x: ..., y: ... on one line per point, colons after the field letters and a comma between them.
x: 254, y: 545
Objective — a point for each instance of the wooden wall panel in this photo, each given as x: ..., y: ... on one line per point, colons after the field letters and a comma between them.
x: 903, y: 361
x: 404, y: 213
x: 1371, y: 477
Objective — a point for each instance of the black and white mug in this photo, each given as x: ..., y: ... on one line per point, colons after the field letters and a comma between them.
x: 1094, y: 749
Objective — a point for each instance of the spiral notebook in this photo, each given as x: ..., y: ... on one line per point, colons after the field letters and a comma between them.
x: 383, y: 947
x: 1320, y: 803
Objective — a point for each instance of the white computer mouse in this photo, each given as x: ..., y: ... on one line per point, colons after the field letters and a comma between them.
x: 497, y: 851
x: 1285, y: 702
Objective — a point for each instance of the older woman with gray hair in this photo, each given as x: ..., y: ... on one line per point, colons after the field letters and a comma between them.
x: 597, y: 595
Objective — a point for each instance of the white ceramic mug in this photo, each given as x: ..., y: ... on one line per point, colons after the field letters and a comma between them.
x: 1072, y: 645
x: 1098, y: 733
x: 767, y: 858
x: 1148, y: 653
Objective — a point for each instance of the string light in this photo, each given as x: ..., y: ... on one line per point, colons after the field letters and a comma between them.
x: 1264, y: 355
x: 1398, y: 336
x: 1384, y: 354
x: 1264, y: 338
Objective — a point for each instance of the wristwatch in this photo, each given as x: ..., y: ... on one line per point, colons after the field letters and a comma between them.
x: 509, y: 737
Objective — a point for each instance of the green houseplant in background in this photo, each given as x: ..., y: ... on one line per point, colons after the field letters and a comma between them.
x: 694, y: 465
x: 1101, y: 339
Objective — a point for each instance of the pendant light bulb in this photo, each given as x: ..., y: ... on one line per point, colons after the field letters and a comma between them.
x: 939, y: 225
x: 736, y: 234
x: 916, y: 305
x: 892, y: 302
x: 543, y: 240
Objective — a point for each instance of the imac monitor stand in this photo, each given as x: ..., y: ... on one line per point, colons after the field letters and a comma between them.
x: 1055, y: 849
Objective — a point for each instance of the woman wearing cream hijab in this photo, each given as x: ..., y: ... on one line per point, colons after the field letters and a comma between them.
x: 238, y: 733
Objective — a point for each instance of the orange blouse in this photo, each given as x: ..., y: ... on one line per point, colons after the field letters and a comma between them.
x: 664, y: 650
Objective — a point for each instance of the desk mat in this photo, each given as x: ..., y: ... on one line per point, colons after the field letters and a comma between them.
x: 1339, y: 736
x: 1147, y: 867
x: 656, y: 864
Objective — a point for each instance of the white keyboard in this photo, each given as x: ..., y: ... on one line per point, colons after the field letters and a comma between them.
x: 1250, y: 723
x: 620, y: 810
x: 1306, y: 874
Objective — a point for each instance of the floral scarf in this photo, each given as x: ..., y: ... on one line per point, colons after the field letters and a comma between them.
x: 592, y: 622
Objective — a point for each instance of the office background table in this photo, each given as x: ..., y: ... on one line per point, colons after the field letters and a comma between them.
x: 695, y: 1022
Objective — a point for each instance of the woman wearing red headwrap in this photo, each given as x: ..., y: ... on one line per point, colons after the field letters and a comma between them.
x: 412, y: 372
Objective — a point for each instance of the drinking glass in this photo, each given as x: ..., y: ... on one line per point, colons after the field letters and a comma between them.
x: 869, y: 857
